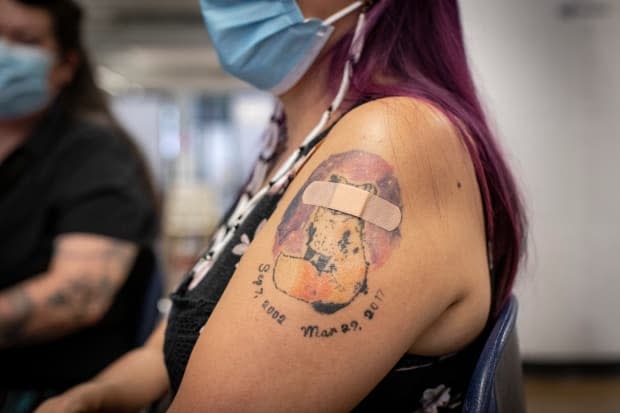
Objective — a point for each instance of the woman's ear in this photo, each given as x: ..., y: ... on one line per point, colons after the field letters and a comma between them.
x: 65, y: 70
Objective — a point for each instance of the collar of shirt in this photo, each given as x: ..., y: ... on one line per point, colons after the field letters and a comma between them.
x: 36, y: 146
x: 46, y: 131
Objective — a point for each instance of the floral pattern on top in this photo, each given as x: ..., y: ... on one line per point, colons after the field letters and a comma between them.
x: 274, y: 143
x: 243, y: 246
x: 434, y: 399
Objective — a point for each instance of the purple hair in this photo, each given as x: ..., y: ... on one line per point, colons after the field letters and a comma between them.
x: 420, y: 44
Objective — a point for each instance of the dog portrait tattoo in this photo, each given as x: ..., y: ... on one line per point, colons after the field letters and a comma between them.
x: 323, y: 257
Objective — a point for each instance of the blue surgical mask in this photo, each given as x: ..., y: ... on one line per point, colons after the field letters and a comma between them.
x: 24, y: 80
x: 267, y: 43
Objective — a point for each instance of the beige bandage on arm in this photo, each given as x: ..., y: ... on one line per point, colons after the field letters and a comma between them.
x: 354, y: 201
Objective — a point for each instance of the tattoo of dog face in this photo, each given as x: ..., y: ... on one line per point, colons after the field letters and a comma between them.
x: 323, y: 256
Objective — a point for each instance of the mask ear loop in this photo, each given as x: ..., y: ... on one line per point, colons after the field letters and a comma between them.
x: 295, y: 162
x: 344, y: 12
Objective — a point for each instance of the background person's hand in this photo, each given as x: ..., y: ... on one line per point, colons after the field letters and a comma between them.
x: 85, y: 398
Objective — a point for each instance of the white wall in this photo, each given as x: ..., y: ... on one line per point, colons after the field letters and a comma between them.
x: 139, y: 114
x: 552, y: 87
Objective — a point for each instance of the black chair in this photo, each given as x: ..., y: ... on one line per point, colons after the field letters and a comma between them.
x: 497, y: 382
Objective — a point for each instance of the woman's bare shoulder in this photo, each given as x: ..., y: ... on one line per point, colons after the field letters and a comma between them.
x: 415, y: 136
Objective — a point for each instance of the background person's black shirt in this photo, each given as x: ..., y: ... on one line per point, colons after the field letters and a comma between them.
x: 72, y: 176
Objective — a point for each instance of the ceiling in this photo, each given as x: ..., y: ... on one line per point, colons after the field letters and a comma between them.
x: 163, y: 44
x: 160, y: 44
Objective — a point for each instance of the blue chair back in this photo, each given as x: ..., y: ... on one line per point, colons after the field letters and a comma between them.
x: 497, y: 382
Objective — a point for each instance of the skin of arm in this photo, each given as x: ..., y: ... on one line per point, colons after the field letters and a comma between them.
x: 322, y: 304
x: 132, y: 382
x: 85, y: 273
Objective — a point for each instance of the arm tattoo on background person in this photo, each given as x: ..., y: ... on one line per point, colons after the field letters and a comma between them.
x: 14, y: 316
x: 79, y: 297
x: 82, y: 295
x: 323, y: 256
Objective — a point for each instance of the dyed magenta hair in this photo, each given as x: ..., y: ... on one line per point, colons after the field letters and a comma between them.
x: 420, y: 44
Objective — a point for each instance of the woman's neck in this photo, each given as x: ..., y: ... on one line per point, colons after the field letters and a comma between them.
x: 304, y: 105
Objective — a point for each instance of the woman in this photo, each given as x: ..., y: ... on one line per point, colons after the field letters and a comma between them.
x: 376, y: 254
x: 78, y: 211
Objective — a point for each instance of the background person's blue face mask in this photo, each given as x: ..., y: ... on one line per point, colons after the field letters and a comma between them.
x: 24, y: 80
x: 267, y: 43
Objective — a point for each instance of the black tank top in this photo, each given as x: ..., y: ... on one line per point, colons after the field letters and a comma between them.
x: 415, y: 384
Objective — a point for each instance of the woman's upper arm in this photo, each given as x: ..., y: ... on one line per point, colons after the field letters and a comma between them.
x: 323, y: 304
x: 85, y: 274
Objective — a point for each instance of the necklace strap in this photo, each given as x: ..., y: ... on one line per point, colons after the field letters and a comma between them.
x: 285, y: 174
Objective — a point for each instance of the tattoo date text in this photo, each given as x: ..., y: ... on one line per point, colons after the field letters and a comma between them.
x: 271, y: 311
x: 314, y: 331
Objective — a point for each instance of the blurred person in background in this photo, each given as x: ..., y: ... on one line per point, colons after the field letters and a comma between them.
x: 78, y: 214
x: 336, y: 306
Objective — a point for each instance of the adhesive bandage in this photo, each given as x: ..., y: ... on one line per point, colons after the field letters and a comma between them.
x: 354, y: 201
